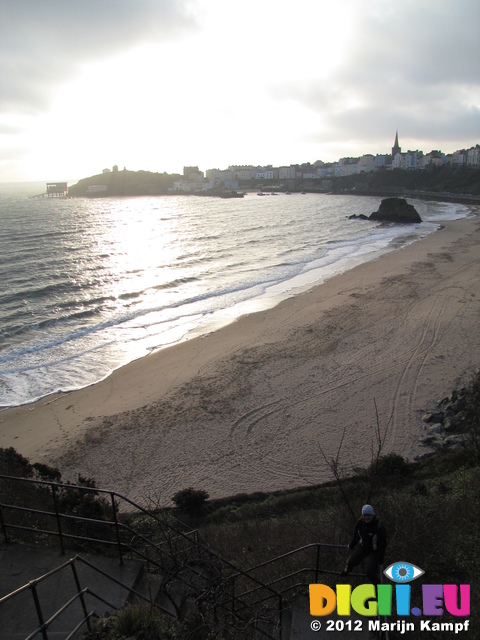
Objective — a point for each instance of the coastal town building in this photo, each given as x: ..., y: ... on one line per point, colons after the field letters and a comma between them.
x: 57, y: 189
x: 97, y: 189
x: 286, y: 173
x: 366, y: 163
x: 318, y: 172
x: 185, y: 186
x: 382, y: 161
x: 408, y: 161
x: 193, y: 181
x: 192, y: 174
x: 433, y: 159
x: 473, y: 156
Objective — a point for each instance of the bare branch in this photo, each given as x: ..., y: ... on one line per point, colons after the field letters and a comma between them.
x: 334, y: 465
x: 380, y: 442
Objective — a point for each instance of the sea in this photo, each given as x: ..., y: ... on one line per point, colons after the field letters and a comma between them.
x: 88, y: 285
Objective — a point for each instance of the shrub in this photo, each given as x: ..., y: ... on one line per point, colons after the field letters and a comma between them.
x: 391, y: 464
x: 46, y: 472
x: 190, y: 501
x: 86, y: 504
x: 13, y: 463
x: 134, y: 623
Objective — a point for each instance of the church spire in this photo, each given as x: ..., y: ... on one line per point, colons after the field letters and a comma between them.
x: 396, y: 147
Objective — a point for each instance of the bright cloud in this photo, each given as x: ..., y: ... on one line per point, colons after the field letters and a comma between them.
x: 158, y: 84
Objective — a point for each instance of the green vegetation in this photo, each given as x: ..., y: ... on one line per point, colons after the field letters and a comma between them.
x: 430, y: 510
x: 136, y: 623
x: 143, y: 622
x: 80, y: 499
x: 190, y: 501
x: 455, y: 180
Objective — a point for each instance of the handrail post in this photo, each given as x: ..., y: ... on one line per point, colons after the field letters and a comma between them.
x: 117, y: 529
x: 4, y: 526
x: 280, y: 616
x: 57, y: 515
x: 38, y: 607
x: 317, y: 568
x: 81, y: 595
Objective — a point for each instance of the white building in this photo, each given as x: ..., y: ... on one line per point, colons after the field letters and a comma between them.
x: 97, y: 188
x: 473, y: 156
x: 327, y: 171
x: 397, y: 161
x: 286, y: 173
x: 366, y: 164
x: 193, y: 174
x: 413, y: 160
x: 434, y: 158
x: 218, y: 176
x: 460, y: 157
x: 242, y: 172
x: 185, y: 186
x: 346, y: 167
x: 382, y: 161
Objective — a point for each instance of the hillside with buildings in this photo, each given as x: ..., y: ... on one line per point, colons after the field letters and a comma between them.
x: 435, y: 171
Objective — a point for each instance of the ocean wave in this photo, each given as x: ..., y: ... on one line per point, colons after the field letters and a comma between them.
x: 175, y: 283
x: 83, y: 299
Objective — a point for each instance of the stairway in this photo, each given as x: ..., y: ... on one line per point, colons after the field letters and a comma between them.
x: 19, y: 564
x: 194, y: 574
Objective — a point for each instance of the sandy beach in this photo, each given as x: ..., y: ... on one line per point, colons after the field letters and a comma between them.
x: 255, y: 405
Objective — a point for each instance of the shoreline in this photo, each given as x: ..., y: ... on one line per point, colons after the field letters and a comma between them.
x: 27, y: 384
x: 253, y: 405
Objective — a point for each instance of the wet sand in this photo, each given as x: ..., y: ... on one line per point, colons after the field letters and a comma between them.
x: 256, y: 405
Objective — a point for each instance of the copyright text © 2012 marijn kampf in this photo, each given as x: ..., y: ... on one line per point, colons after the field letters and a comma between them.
x: 400, y: 626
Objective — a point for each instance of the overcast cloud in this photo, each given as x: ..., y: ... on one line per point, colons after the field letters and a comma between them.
x: 411, y: 65
x: 44, y: 42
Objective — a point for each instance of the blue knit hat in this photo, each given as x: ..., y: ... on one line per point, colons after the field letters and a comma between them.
x: 367, y: 510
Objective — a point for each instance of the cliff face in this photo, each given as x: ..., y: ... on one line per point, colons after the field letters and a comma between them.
x: 396, y: 210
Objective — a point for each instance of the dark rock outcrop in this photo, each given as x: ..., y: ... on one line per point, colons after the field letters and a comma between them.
x: 396, y: 210
x: 447, y: 426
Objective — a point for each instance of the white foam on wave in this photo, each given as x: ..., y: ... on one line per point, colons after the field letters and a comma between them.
x: 68, y: 357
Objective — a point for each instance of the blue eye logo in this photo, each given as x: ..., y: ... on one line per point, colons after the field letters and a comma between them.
x: 403, y: 572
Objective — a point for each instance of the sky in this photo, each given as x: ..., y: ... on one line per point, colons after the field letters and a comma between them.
x: 160, y: 84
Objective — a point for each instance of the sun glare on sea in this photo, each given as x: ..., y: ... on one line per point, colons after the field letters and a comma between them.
x: 139, y: 245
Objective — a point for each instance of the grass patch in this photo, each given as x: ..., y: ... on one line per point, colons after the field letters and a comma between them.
x: 430, y: 510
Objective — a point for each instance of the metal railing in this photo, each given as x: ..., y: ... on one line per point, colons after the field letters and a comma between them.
x: 179, y: 548
x: 72, y: 526
x: 79, y: 596
x: 255, y: 597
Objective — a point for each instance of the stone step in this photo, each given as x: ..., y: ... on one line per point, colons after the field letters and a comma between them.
x: 147, y: 585
x: 20, y: 564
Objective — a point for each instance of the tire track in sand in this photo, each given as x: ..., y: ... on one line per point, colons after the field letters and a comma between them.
x: 246, y: 416
x: 428, y: 339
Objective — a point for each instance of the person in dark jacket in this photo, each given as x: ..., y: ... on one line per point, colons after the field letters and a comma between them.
x: 368, y: 543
